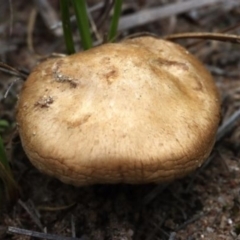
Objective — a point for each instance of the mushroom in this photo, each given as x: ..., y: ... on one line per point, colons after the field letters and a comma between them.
x: 139, y: 111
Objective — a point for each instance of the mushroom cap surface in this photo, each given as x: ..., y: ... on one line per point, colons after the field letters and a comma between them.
x: 143, y: 110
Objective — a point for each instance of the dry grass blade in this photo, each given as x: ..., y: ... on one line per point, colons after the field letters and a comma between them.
x: 53, y: 209
x: 30, y: 29
x: 224, y: 37
x: 108, y: 4
x: 32, y: 212
x: 13, y: 71
x: 49, y: 16
x: 151, y: 15
x: 201, y: 41
x: 19, y: 231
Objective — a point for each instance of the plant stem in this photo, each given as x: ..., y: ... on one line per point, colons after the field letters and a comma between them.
x: 83, y: 23
x: 114, y: 23
x: 66, y: 24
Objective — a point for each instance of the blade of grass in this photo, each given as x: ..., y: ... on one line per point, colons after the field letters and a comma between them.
x: 4, y: 125
x: 66, y: 24
x: 2, y: 196
x: 3, y: 156
x: 83, y: 23
x: 114, y: 23
x: 6, y: 176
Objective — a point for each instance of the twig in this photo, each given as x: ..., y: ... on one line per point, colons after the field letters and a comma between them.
x: 13, y: 71
x: 49, y: 16
x: 94, y: 28
x: 104, y: 13
x: 153, y: 14
x: 224, y: 37
x: 201, y: 41
x: 20, y: 231
x: 9, y: 87
x: 32, y: 214
x: 30, y: 29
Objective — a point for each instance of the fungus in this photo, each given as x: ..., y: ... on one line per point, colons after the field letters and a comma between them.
x: 140, y: 111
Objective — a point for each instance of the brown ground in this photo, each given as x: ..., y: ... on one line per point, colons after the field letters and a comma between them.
x: 203, y: 206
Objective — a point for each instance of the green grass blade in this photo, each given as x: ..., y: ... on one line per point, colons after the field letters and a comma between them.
x: 6, y: 177
x: 2, y: 195
x: 4, y: 123
x: 66, y: 24
x: 83, y: 23
x: 3, y: 156
x: 114, y: 23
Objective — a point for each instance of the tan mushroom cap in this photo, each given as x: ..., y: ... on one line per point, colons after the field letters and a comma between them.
x: 144, y: 110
